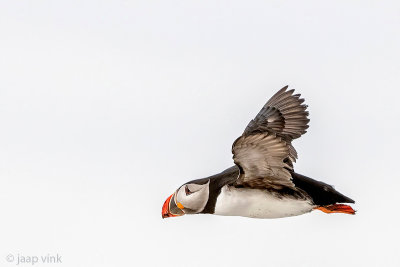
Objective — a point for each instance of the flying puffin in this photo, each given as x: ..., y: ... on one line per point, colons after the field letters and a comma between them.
x: 262, y: 184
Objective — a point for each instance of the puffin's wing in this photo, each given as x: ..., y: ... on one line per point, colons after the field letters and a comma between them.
x: 261, y: 160
x: 285, y: 115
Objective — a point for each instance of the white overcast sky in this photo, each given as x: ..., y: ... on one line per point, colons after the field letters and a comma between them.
x: 106, y: 107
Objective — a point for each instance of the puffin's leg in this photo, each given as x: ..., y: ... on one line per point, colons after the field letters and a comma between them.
x: 336, y: 208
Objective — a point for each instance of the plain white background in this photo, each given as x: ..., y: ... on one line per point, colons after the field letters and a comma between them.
x: 106, y: 107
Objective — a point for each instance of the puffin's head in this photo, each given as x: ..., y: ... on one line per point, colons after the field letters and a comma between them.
x: 190, y: 198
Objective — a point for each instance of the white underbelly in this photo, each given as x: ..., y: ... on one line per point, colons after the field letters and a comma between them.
x: 257, y: 203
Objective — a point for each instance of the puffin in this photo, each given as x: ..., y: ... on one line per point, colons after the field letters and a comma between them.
x: 262, y: 183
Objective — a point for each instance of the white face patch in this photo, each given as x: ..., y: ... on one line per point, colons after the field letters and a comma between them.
x: 193, y: 197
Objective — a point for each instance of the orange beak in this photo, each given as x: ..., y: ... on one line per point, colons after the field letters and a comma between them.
x: 166, y: 209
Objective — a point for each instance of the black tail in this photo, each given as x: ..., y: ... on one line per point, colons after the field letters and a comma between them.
x: 321, y: 193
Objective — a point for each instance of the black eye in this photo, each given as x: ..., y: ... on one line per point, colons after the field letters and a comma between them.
x: 187, y: 191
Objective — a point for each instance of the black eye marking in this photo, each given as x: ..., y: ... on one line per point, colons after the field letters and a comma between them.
x: 187, y: 191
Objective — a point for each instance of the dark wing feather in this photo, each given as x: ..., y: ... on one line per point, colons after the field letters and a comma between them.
x: 264, y: 153
x: 284, y: 114
x: 260, y: 158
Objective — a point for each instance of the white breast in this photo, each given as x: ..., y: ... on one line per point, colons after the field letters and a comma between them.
x: 257, y: 203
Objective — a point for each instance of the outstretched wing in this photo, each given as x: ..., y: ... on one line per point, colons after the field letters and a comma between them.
x: 264, y: 152
x: 284, y: 114
x: 260, y: 158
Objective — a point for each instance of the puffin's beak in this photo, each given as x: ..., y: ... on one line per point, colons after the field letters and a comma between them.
x: 170, y: 209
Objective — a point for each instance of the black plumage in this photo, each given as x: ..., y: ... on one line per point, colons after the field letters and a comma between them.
x: 321, y: 193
